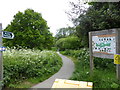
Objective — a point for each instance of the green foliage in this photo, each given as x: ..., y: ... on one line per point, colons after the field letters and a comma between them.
x: 30, y: 31
x: 1, y: 84
x: 65, y: 32
x: 71, y: 42
x: 104, y: 72
x: 24, y: 64
x: 105, y: 15
x: 99, y: 16
x: 104, y: 63
x: 82, y: 55
x: 54, y: 48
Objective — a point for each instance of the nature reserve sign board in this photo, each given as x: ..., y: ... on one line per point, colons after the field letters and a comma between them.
x: 105, y: 44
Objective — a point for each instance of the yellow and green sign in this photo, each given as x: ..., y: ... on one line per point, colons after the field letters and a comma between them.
x: 116, y: 59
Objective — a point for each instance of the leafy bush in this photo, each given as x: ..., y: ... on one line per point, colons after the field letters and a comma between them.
x: 83, y: 56
x: 25, y: 64
x: 54, y: 48
x: 102, y: 63
x: 71, y: 42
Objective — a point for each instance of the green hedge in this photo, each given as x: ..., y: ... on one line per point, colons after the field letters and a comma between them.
x: 25, y: 64
x: 71, y: 42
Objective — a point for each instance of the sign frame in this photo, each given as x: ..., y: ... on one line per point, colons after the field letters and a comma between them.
x: 116, y: 33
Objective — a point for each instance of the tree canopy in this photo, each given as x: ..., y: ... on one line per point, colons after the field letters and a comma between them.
x: 64, y: 32
x: 30, y: 30
x: 99, y: 16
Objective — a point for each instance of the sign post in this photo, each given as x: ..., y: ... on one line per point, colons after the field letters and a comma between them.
x: 1, y: 61
x: 8, y: 35
x: 91, y: 54
x: 118, y: 52
x: 105, y: 44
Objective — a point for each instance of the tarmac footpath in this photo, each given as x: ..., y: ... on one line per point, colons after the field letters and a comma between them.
x: 64, y: 73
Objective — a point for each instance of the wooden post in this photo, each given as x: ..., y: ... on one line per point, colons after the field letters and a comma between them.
x: 118, y: 71
x: 1, y: 61
x: 91, y: 54
x: 118, y: 52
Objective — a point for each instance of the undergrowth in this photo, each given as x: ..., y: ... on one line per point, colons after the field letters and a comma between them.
x: 26, y: 65
x: 104, y: 75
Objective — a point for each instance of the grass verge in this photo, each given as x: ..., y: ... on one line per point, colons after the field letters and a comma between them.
x: 104, y: 75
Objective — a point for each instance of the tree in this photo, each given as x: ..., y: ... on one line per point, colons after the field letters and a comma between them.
x: 108, y: 15
x: 99, y: 16
x: 77, y: 8
x: 30, y: 30
x: 64, y: 32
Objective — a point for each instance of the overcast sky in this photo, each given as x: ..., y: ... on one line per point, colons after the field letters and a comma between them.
x: 53, y: 11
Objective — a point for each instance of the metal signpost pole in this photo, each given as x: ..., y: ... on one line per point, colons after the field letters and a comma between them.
x: 1, y: 61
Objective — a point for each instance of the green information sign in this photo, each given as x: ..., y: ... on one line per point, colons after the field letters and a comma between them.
x: 104, y: 44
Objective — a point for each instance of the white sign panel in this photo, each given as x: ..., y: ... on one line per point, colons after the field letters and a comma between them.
x: 104, y: 44
x: 2, y: 48
x: 8, y: 35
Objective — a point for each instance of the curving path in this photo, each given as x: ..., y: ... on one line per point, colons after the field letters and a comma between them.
x: 64, y: 73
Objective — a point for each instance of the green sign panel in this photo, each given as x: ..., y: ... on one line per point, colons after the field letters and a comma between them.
x: 104, y: 44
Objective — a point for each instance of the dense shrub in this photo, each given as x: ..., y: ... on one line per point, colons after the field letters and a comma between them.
x: 83, y: 56
x: 25, y: 64
x: 54, y: 48
x: 71, y: 42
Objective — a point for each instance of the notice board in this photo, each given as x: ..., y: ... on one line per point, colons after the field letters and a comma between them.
x: 104, y: 43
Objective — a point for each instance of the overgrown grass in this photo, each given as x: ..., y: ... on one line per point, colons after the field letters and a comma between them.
x: 24, y: 68
x: 104, y: 75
